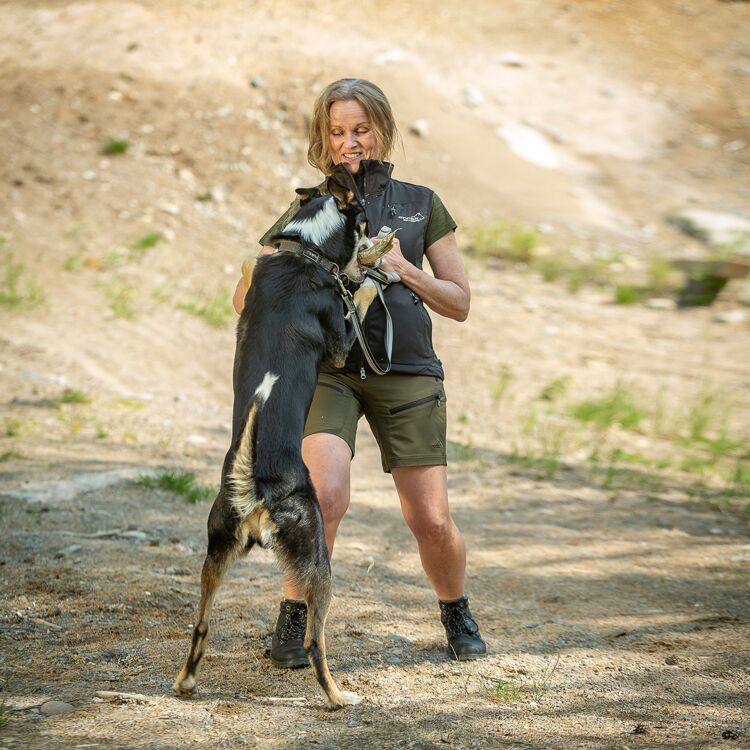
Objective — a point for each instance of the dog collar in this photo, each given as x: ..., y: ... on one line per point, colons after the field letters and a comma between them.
x: 307, y: 252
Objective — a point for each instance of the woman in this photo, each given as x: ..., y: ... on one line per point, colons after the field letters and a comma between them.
x: 352, y: 132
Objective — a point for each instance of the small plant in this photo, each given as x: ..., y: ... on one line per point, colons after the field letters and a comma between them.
x: 115, y: 147
x: 9, y: 456
x: 741, y: 478
x: 660, y: 273
x: 12, y: 427
x: 181, y: 483
x: 555, y: 389
x: 121, y: 302
x: 539, y: 686
x: 215, y: 309
x: 501, y: 386
x: 505, y: 239
x: 101, y: 432
x: 17, y: 292
x: 506, y: 692
x: 615, y: 408
x: 73, y: 396
x: 627, y: 295
x: 147, y: 241
x: 73, y: 262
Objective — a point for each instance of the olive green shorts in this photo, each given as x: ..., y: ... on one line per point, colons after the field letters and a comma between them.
x: 406, y: 413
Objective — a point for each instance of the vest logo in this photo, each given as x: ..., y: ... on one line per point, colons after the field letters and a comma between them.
x: 417, y: 217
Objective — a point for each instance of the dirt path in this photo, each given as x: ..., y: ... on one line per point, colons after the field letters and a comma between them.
x: 599, y: 453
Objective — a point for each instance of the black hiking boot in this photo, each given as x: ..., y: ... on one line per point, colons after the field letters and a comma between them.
x: 462, y: 632
x: 287, y: 647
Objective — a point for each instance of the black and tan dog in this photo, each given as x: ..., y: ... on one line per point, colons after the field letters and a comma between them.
x: 293, y: 320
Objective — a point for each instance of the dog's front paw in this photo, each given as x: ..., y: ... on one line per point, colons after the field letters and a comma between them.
x: 344, y: 698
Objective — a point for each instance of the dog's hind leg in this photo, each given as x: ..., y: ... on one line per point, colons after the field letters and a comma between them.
x: 222, y: 551
x: 307, y: 564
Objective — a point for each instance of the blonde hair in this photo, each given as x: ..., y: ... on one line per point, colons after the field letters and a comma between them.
x: 378, y: 111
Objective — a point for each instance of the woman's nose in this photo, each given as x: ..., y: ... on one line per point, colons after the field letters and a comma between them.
x: 350, y: 139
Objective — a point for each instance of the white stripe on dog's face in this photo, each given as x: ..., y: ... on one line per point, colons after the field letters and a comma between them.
x: 319, y: 227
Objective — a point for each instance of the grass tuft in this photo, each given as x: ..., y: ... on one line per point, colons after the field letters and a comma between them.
x: 73, y: 396
x: 215, y: 309
x: 147, y: 241
x: 16, y: 291
x: 504, y: 239
x: 115, y: 147
x: 615, y: 408
x: 181, y: 483
x: 9, y: 456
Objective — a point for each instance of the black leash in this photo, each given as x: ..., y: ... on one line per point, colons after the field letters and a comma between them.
x: 351, y: 309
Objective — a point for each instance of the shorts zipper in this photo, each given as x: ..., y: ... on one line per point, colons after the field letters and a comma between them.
x: 334, y: 387
x: 438, y: 397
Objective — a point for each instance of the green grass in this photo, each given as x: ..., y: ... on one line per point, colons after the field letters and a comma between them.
x: 115, y: 147
x: 618, y: 407
x: 626, y: 294
x: 506, y: 691
x: 504, y: 239
x: 502, y: 383
x: 181, y: 483
x: 17, y: 291
x: 12, y: 427
x: 9, y: 456
x: 74, y: 396
x: 121, y: 301
x: 215, y: 309
x: 555, y: 389
x: 147, y: 241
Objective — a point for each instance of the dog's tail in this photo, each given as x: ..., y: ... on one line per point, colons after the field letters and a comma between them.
x: 242, y: 475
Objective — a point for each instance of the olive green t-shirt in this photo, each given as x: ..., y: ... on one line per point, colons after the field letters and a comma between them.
x: 439, y: 224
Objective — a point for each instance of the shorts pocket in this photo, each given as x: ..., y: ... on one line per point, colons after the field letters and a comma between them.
x: 438, y: 397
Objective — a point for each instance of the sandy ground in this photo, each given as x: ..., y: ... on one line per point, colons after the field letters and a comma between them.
x: 608, y: 567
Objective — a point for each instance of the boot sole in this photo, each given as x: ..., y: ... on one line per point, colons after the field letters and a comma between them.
x: 289, y: 663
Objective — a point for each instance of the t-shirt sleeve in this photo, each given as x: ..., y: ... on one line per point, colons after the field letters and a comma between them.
x: 440, y: 223
x: 280, y: 223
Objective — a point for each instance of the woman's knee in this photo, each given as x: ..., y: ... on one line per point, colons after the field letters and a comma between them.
x: 433, y: 529
x: 333, y: 497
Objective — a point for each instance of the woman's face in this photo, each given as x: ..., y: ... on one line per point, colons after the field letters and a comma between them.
x: 350, y: 135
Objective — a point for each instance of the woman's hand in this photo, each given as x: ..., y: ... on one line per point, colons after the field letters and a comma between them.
x: 394, y: 259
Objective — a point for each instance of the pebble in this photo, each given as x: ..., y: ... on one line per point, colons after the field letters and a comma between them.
x: 67, y: 551
x: 258, y: 82
x: 661, y: 303
x: 55, y: 708
x: 420, y: 128
x: 472, y: 96
x: 731, y: 316
x: 511, y: 60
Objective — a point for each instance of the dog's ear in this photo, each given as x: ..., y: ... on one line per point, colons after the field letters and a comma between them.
x: 307, y: 194
x: 342, y: 195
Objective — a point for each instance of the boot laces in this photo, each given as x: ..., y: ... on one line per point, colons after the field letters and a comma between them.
x: 294, y: 624
x: 458, y: 621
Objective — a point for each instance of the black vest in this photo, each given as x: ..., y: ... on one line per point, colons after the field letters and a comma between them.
x: 406, y: 207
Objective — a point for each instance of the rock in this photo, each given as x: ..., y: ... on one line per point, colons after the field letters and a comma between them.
x: 661, y: 303
x: 388, y: 56
x: 258, y: 82
x: 67, y: 551
x: 671, y: 660
x: 57, y: 491
x: 55, y: 708
x: 400, y: 638
x: 420, y: 128
x: 733, y: 146
x: 472, y: 96
x: 529, y: 144
x: 169, y: 208
x: 196, y: 439
x: 731, y: 316
x: 511, y: 60
x: 718, y: 229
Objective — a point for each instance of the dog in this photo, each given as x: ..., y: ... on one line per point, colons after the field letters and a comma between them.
x: 293, y: 320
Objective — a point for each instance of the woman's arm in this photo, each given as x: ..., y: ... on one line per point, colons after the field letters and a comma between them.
x: 238, y: 298
x: 447, y: 292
